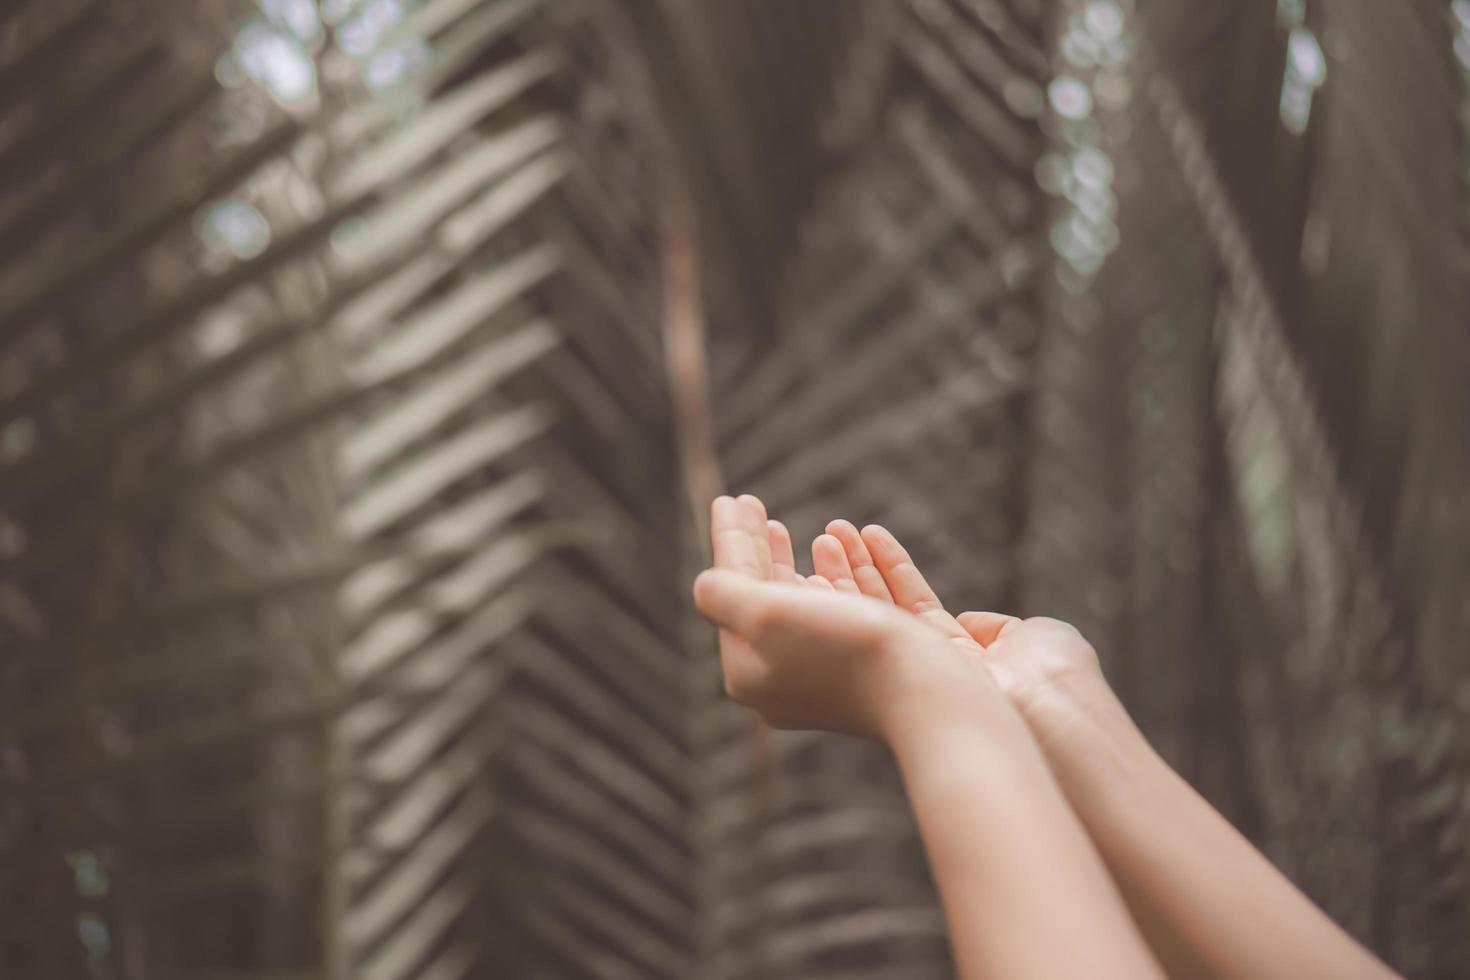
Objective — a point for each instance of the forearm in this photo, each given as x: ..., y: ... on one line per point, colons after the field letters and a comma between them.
x: 1210, y: 904
x: 1025, y: 893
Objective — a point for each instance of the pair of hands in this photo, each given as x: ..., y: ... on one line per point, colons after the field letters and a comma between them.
x: 1050, y: 863
x: 864, y: 646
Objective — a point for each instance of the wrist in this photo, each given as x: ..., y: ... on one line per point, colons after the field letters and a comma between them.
x: 933, y: 692
x: 1089, y: 740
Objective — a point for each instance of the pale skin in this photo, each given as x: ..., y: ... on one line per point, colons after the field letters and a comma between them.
x: 1062, y: 844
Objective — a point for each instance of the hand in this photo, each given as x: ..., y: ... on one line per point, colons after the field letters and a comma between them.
x: 804, y: 653
x: 1047, y: 670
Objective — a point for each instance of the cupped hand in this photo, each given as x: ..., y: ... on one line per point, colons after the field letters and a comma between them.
x: 808, y: 652
x: 1044, y: 666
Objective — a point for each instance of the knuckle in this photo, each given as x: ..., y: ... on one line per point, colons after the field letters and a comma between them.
x: 1053, y: 625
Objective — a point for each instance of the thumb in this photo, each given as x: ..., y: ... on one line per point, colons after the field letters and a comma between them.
x: 754, y: 608
x: 728, y: 599
x: 987, y: 627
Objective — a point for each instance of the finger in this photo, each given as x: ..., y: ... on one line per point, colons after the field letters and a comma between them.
x: 755, y: 524
x: 756, y: 504
x: 869, y: 580
x: 821, y: 582
x: 783, y: 555
x: 987, y: 627
x: 904, y: 580
x: 734, y: 549
x: 829, y: 559
x: 907, y: 584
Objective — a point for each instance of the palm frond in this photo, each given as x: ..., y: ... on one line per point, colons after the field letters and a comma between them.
x: 345, y: 547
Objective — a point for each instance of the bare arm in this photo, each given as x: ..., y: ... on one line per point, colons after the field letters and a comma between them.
x: 1025, y: 893
x: 1210, y: 904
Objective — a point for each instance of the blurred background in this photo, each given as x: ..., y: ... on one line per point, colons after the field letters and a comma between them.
x: 366, y: 368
